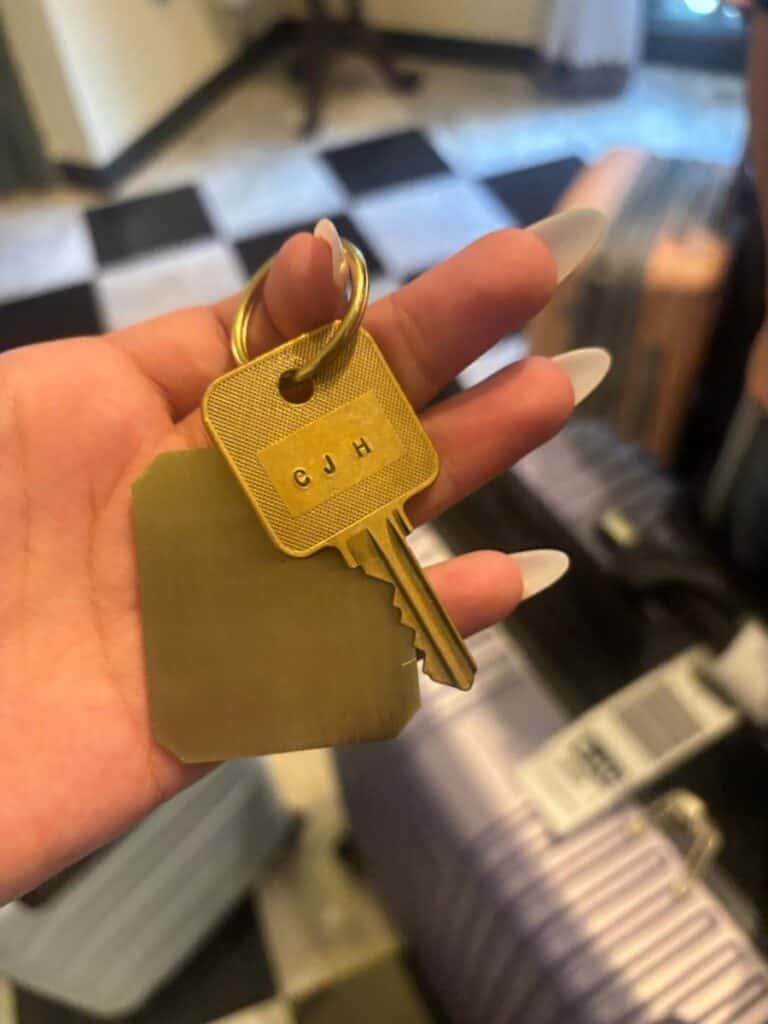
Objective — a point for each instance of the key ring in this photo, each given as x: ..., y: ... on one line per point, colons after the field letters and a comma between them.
x: 347, y: 327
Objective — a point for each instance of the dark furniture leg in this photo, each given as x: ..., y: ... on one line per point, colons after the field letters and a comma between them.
x: 324, y: 36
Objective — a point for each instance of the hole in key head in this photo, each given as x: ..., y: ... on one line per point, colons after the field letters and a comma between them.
x: 295, y: 392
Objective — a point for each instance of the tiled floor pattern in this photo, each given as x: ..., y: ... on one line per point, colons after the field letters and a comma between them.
x: 410, y: 179
x: 413, y: 178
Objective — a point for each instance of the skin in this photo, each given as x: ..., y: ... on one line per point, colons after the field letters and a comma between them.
x: 81, y: 418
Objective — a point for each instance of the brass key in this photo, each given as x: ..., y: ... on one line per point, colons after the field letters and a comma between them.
x: 333, y: 465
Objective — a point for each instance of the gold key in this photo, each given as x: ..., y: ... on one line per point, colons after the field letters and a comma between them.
x: 332, y: 463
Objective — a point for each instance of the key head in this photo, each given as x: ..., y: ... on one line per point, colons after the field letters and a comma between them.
x: 314, y: 469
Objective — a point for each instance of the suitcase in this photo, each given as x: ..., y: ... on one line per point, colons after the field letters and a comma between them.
x: 106, y: 934
x: 447, y: 832
x: 651, y: 294
x: 510, y: 925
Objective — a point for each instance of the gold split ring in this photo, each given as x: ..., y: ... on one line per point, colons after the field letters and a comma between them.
x: 347, y: 326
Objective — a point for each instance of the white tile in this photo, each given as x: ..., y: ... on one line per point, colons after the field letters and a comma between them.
x: 262, y: 110
x: 7, y: 1003
x: 415, y: 225
x: 503, y: 123
x: 43, y: 246
x: 187, y: 276
x: 306, y: 780
x: 274, y: 1011
x: 258, y: 191
x: 320, y: 919
x: 381, y: 287
x: 359, y: 105
x: 504, y: 353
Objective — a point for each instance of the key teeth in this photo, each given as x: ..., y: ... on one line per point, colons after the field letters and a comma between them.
x: 374, y: 555
x: 407, y: 621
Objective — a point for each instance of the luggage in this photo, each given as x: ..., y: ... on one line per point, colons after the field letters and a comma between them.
x: 108, y: 932
x: 509, y: 924
x: 652, y: 293
x: 513, y: 925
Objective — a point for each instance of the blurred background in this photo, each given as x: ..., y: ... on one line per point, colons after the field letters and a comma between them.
x: 153, y: 153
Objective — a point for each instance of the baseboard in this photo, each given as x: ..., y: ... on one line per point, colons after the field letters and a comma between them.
x: 107, y: 175
x: 675, y: 49
x: 514, y: 56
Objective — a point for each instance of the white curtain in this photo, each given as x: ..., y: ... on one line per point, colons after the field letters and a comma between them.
x: 585, y: 34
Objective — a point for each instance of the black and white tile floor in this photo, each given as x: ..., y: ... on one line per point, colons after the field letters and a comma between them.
x: 411, y: 179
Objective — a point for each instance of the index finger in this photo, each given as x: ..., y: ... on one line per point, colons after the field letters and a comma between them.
x: 428, y: 330
x: 431, y: 328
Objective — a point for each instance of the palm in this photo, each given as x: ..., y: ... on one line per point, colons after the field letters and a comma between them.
x: 79, y: 420
x: 80, y: 424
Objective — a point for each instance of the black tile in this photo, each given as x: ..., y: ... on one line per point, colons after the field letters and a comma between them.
x: 531, y: 193
x: 380, y: 994
x: 229, y: 972
x: 255, y: 250
x: 142, y: 225
x: 385, y: 161
x: 60, y: 314
x: 417, y: 273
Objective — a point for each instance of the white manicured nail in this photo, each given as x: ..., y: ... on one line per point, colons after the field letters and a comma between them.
x: 540, y: 569
x: 586, y: 367
x: 326, y: 230
x: 570, y: 236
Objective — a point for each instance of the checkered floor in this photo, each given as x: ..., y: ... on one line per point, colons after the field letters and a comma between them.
x: 410, y: 180
x: 393, y: 195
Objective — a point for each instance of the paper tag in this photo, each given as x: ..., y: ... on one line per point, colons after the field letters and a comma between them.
x: 741, y: 671
x: 625, y: 742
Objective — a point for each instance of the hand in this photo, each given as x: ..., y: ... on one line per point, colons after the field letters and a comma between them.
x: 81, y: 418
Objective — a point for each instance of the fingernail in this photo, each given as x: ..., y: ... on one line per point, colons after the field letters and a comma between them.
x: 540, y: 569
x: 326, y: 230
x: 570, y: 237
x: 586, y: 367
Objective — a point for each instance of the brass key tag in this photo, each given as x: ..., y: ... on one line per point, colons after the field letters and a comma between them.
x: 334, y: 466
x: 249, y: 651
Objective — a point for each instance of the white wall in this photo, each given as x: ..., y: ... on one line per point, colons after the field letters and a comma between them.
x: 498, y: 21
x: 99, y: 73
x: 44, y: 79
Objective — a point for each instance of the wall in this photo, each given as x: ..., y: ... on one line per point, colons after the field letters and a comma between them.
x: 498, y: 21
x: 44, y: 80
x: 99, y: 73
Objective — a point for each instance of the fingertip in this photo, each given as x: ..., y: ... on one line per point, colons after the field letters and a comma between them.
x: 529, y: 266
x: 478, y: 589
x: 546, y: 378
x: 299, y: 293
x: 543, y: 268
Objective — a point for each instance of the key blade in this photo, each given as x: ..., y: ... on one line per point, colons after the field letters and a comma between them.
x: 383, y: 552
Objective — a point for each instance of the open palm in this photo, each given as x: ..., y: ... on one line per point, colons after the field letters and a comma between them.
x: 81, y: 418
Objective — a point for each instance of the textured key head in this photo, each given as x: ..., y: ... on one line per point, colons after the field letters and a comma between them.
x: 315, y: 469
